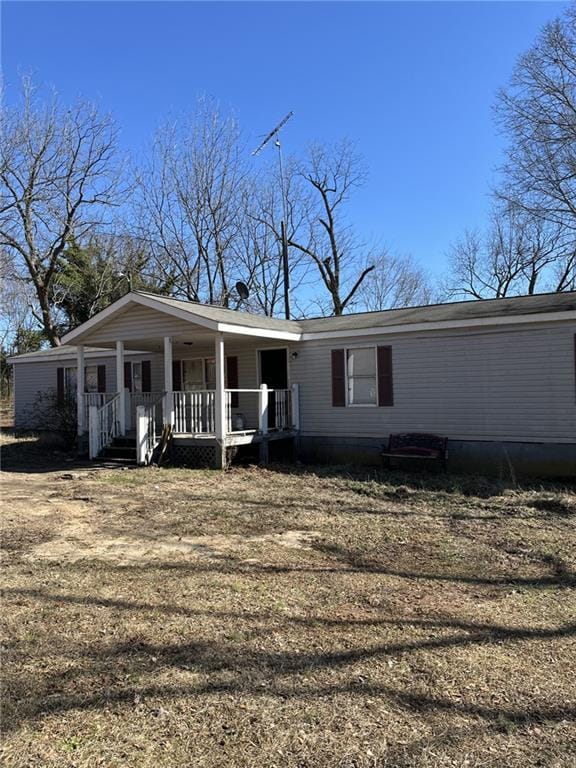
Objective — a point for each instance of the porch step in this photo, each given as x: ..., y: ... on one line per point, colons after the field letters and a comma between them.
x: 105, y: 462
x: 122, y: 450
x: 119, y: 452
x: 125, y: 441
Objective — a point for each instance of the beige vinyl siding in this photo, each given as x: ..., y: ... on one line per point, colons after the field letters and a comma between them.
x: 513, y: 384
x: 33, y: 379
x: 139, y: 322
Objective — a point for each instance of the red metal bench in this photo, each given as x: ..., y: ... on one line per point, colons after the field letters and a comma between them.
x: 416, y: 445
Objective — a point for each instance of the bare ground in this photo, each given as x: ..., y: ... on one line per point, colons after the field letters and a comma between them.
x: 283, y: 617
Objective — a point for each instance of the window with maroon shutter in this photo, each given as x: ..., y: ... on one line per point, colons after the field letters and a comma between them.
x: 232, y: 380
x: 361, y: 375
x: 146, y: 376
x: 338, y: 378
x: 128, y: 376
x: 385, y: 386
x: 177, y: 375
x: 101, y: 378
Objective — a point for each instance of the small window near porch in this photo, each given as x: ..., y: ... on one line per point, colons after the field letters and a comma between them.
x: 192, y: 374
x: 90, y: 380
x: 136, y: 377
x: 361, y: 376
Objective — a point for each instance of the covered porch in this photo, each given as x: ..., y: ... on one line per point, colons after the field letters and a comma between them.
x: 193, y: 385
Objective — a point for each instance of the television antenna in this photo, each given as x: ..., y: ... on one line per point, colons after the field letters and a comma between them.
x: 277, y: 144
x: 273, y: 133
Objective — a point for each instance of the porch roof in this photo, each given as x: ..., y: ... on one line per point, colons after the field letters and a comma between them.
x: 185, y: 316
x: 201, y: 318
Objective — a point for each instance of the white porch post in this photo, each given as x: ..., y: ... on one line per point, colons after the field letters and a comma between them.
x: 80, y: 387
x: 263, y: 422
x: 263, y: 409
x: 168, y: 402
x: 120, y: 386
x: 220, y: 402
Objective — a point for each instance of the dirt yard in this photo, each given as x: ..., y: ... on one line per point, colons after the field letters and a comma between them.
x: 283, y: 617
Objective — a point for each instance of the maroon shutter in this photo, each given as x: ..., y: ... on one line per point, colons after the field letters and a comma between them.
x: 101, y: 373
x: 128, y: 376
x: 146, y: 376
x: 385, y: 389
x: 232, y: 379
x: 338, y: 378
x: 60, y: 386
x: 176, y: 375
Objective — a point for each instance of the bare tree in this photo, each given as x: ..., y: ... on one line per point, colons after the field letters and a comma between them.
x: 396, y: 281
x: 518, y: 254
x: 16, y: 298
x: 538, y: 113
x: 59, y: 172
x: 190, y: 204
x: 261, y: 239
x: 331, y: 175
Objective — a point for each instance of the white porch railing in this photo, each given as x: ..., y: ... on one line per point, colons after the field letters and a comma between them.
x: 103, y: 425
x: 194, y: 412
x: 148, y: 428
x: 282, y: 400
x: 263, y: 410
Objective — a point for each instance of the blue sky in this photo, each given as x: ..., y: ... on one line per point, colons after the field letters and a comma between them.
x: 413, y: 83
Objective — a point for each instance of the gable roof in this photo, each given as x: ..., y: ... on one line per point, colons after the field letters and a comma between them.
x: 222, y: 315
x: 462, y: 314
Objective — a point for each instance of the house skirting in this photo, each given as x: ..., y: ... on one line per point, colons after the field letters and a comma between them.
x: 204, y: 451
x: 504, y: 459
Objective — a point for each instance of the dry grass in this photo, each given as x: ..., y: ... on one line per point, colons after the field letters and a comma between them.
x: 284, y: 618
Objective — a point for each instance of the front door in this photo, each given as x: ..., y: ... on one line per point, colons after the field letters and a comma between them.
x: 273, y: 373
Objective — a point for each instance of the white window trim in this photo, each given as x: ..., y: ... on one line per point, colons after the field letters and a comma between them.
x: 204, y: 380
x: 361, y: 405
x: 72, y: 392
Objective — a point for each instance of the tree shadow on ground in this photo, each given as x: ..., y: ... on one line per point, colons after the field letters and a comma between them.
x: 103, y: 673
x: 43, y: 452
x: 559, y: 573
x: 401, y: 483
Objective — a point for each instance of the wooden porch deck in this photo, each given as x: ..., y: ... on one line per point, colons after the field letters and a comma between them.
x: 246, y: 437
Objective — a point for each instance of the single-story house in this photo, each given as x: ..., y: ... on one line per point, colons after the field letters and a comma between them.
x: 497, y: 377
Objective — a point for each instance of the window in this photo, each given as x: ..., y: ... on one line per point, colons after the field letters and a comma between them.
x: 361, y: 376
x: 192, y: 374
x: 90, y: 380
x: 199, y: 373
x: 210, y: 372
x: 136, y: 377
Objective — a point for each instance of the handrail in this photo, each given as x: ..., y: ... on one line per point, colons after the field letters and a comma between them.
x: 103, y: 425
x: 147, y: 437
x: 89, y: 399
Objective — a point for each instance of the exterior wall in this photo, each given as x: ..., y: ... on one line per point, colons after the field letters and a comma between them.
x: 515, y: 384
x: 33, y: 379
x: 504, y: 397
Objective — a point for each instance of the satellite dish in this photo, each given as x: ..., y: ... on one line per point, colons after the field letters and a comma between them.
x: 242, y: 289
